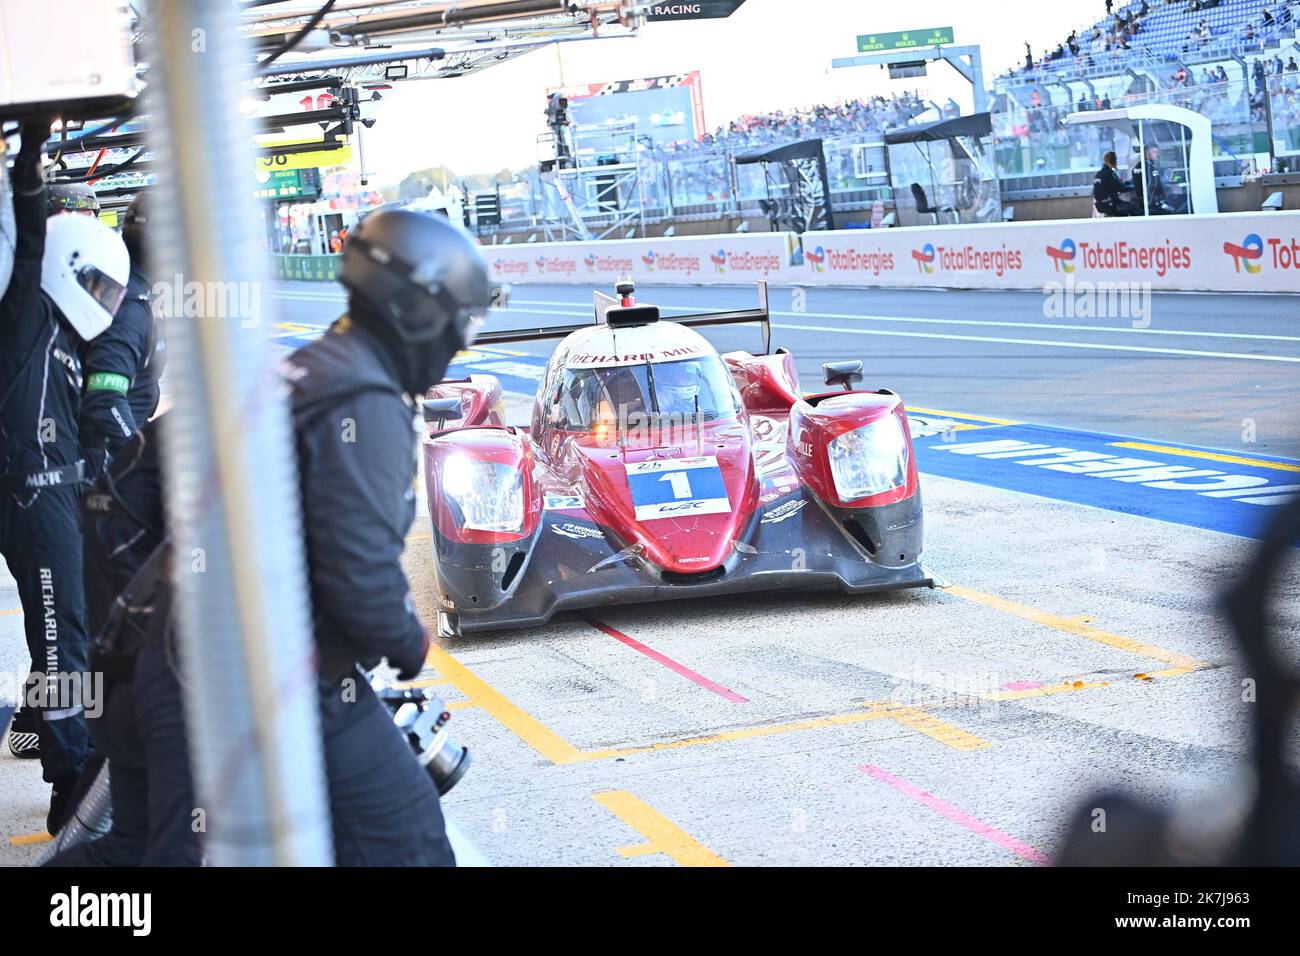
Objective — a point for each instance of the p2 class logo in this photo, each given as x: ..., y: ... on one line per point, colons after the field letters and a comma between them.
x: 1247, y: 255
x: 924, y: 258
x: 1063, y: 256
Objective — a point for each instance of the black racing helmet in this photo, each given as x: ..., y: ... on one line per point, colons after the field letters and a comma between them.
x: 421, y: 277
x: 135, y: 223
x: 71, y: 197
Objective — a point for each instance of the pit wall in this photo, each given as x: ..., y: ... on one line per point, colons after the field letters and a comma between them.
x: 1236, y: 252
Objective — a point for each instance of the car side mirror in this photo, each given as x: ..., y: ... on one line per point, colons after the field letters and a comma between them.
x: 845, y: 374
x: 442, y: 410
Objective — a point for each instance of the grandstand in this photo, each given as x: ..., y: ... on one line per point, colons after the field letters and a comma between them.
x: 1234, y: 61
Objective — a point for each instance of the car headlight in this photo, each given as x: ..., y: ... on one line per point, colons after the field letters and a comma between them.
x: 869, y: 460
x: 488, y: 494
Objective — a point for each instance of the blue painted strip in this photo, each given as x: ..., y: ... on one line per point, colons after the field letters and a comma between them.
x: 1086, y: 468
x: 517, y: 373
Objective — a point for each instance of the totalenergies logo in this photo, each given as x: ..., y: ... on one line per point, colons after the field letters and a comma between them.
x: 1246, y: 255
x: 541, y: 263
x: 924, y: 258
x: 590, y: 262
x: 1063, y: 256
x: 649, y: 260
x: 816, y: 258
x: 719, y: 260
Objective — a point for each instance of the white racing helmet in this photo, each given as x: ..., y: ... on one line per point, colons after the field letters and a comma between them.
x: 84, y: 272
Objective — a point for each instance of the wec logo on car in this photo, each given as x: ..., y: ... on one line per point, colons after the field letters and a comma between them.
x: 1063, y: 256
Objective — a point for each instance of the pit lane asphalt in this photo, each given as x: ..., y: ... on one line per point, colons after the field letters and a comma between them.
x: 1076, y: 649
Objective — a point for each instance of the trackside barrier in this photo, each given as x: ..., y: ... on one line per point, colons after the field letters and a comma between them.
x: 309, y: 268
x: 686, y: 260
x: 1233, y: 252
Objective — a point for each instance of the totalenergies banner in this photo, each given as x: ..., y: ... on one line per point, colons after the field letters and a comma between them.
x: 1234, y: 252
x: 1238, y: 252
x: 688, y: 260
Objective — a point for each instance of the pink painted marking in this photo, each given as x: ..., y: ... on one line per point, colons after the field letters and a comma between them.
x: 957, y: 815
x: 1022, y: 685
x: 667, y: 662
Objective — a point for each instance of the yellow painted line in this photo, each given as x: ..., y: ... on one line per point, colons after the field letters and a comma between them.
x: 296, y: 328
x: 459, y: 704
x: 1207, y: 455
x: 950, y: 735
x: 1063, y: 687
x: 16, y: 610
x: 662, y: 835
x: 974, y: 418
x: 30, y: 839
x: 1078, y: 627
x: 559, y: 751
x: 518, y: 721
x: 1171, y: 672
x: 420, y: 536
x: 743, y: 733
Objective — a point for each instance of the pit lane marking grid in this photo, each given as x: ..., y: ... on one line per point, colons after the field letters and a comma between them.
x: 666, y: 838
x: 554, y: 748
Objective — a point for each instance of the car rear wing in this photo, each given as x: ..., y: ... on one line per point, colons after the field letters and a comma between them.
x: 604, y: 304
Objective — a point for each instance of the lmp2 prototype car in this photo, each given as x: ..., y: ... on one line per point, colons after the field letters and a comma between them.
x: 655, y: 468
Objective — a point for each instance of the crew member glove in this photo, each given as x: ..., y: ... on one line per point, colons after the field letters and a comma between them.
x: 409, y: 667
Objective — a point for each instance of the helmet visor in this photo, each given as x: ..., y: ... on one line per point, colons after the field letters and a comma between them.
x: 103, y: 288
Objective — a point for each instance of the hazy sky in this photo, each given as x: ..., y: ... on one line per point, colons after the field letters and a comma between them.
x: 771, y: 54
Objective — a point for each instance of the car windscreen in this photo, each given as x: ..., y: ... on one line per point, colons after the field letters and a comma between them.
x: 592, y: 397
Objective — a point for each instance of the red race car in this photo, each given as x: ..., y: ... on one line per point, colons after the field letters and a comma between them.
x: 655, y: 468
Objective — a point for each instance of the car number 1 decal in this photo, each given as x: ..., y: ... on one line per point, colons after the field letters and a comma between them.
x: 677, y: 488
